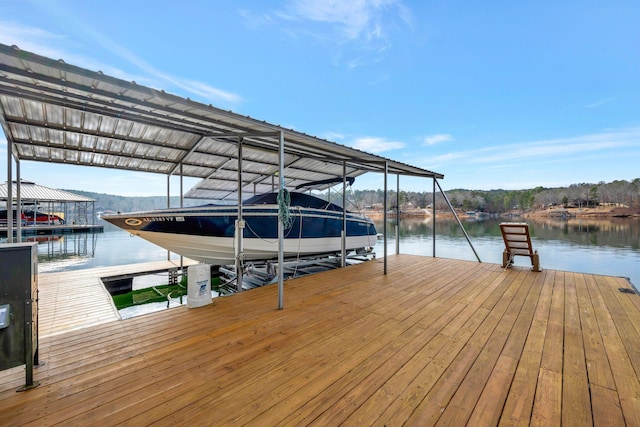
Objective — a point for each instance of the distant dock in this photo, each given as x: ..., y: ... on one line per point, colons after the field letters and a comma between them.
x: 48, y: 230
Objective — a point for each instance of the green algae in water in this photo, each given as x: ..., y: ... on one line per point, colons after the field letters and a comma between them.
x: 147, y: 295
x: 158, y: 293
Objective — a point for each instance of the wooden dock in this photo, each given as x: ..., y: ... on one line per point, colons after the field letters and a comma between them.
x: 78, y: 299
x: 434, y: 342
x: 54, y: 229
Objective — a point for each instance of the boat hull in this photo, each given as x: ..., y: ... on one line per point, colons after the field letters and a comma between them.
x: 207, y: 234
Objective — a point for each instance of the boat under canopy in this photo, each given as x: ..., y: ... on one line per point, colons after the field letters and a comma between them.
x: 207, y: 233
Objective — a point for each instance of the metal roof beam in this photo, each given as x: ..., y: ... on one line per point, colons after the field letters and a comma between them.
x: 248, y: 134
x: 119, y: 114
x: 91, y: 163
x: 267, y: 145
x: 185, y: 154
x: 106, y: 109
x: 90, y: 133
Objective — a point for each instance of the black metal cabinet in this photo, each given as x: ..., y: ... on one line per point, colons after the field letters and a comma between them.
x: 19, y: 307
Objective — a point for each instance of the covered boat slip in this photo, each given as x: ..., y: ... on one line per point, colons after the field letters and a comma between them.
x: 434, y: 341
x: 41, y: 207
x: 51, y: 111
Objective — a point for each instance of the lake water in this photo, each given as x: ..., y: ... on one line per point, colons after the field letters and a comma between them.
x: 599, y: 246
x: 603, y: 246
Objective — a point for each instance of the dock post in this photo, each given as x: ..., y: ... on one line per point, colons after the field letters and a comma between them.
x: 384, y: 215
x: 280, y: 225
x: 239, y: 226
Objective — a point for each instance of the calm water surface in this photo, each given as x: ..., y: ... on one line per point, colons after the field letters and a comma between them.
x: 606, y: 246
x: 603, y: 246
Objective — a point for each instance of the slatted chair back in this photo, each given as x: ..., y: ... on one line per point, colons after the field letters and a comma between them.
x: 517, y: 241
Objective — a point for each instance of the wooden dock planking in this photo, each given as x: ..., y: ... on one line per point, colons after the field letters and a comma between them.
x: 501, y: 338
x: 70, y: 300
x: 622, y: 354
x: 365, y: 388
x: 575, y: 383
x: 498, y: 366
x: 438, y: 321
x: 435, y: 341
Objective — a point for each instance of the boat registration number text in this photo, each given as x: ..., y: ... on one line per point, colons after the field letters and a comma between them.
x: 138, y: 221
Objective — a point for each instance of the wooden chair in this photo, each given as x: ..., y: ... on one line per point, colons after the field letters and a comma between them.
x: 517, y: 241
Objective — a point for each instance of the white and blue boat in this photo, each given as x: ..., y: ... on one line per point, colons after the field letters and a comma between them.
x: 207, y: 233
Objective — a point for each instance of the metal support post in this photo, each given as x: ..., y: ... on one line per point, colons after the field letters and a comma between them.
x: 239, y: 229
x: 433, y: 217
x: 18, y: 203
x: 343, y: 244
x: 459, y: 222
x: 168, y: 206
x: 280, y: 225
x: 384, y: 215
x: 9, y: 192
x: 397, y: 214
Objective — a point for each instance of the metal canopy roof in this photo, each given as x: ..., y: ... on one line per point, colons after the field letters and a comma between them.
x: 31, y: 191
x: 55, y: 112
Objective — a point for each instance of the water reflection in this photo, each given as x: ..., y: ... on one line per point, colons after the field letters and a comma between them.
x: 59, y: 252
x: 88, y: 250
x: 616, y: 232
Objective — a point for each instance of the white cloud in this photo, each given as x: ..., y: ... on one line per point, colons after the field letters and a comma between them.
x: 31, y: 38
x: 353, y: 26
x: 375, y: 144
x: 436, y: 139
x: 333, y: 136
x: 58, y: 46
x: 202, y: 90
x: 552, y: 150
x: 556, y: 149
x: 351, y: 17
x: 362, y: 19
x: 600, y: 102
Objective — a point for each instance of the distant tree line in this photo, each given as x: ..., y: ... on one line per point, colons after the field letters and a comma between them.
x: 112, y: 203
x: 616, y: 193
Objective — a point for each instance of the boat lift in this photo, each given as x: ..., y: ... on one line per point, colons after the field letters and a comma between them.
x: 240, y: 266
x: 129, y: 126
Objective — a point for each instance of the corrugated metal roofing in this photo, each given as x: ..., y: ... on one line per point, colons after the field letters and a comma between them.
x: 30, y: 191
x: 55, y: 112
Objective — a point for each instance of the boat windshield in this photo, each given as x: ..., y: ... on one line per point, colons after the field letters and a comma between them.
x: 297, y: 199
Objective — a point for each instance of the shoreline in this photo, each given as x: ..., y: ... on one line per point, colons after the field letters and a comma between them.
x: 597, y: 212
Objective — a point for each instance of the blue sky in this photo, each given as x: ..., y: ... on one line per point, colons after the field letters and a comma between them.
x: 497, y: 94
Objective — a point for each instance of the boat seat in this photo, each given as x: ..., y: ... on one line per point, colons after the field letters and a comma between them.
x: 517, y: 242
